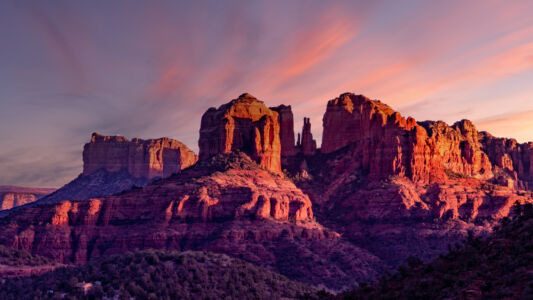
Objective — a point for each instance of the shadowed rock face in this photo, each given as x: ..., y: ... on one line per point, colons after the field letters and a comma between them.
x: 141, y: 158
x: 514, y: 158
x: 286, y: 133
x: 244, y: 124
x: 308, y: 144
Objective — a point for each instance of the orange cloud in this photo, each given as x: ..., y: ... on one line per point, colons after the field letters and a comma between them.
x: 517, y: 124
x: 312, y: 45
x: 412, y: 87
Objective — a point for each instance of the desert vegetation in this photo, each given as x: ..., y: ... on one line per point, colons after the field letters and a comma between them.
x: 498, y: 267
x: 154, y: 274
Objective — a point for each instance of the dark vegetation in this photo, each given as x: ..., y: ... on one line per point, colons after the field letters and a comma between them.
x: 13, y: 257
x: 154, y: 274
x: 499, y: 267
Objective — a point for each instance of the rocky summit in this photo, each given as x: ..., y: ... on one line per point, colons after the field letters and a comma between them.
x: 380, y: 189
x: 244, y: 124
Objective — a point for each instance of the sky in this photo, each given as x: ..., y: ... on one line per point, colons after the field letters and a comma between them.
x: 150, y: 69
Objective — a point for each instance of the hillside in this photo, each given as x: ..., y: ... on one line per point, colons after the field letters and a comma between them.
x: 499, y: 267
x: 158, y: 275
x: 224, y: 204
x: 14, y: 263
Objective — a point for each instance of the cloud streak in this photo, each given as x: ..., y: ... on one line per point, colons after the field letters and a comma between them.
x: 151, y: 70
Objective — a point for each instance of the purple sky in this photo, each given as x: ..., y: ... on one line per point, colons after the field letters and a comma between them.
x: 151, y: 68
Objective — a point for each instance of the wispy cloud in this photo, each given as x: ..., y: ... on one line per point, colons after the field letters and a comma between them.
x: 151, y: 70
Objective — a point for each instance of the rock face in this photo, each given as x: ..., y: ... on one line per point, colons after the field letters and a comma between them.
x: 397, y: 217
x: 307, y: 145
x: 389, y: 144
x: 244, y: 124
x: 13, y: 196
x: 513, y: 158
x: 403, y: 187
x: 223, y: 204
x: 286, y: 133
x: 112, y: 164
x: 141, y: 158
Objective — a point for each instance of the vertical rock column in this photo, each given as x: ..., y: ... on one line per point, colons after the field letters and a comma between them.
x: 308, y: 143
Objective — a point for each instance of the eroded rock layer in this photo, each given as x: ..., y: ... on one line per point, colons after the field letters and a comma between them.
x: 390, y: 144
x: 13, y: 196
x: 141, y: 158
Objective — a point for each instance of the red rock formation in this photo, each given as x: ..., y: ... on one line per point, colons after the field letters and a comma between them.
x: 308, y: 144
x: 13, y: 196
x: 514, y: 158
x: 397, y: 217
x: 244, y: 124
x: 225, y: 204
x: 405, y: 188
x: 389, y: 144
x: 286, y: 132
x: 141, y: 158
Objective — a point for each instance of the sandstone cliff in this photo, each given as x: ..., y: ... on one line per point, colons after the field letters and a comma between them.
x: 244, y: 124
x: 141, y: 158
x: 389, y: 144
x: 286, y: 132
x: 385, y: 183
x: 515, y: 159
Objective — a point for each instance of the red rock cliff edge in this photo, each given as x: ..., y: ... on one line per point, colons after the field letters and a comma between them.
x: 141, y: 158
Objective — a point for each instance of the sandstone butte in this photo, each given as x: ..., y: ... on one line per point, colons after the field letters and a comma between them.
x: 112, y: 164
x: 141, y: 158
x: 244, y: 124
